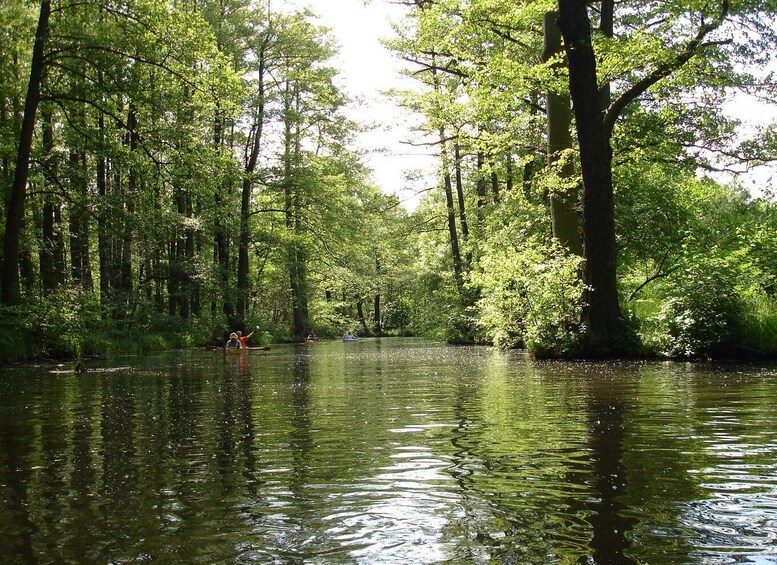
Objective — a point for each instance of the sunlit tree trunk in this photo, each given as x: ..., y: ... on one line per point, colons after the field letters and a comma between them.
x: 563, y: 202
x: 460, y: 199
x: 451, y: 212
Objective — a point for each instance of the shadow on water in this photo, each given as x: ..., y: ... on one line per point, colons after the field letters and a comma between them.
x: 606, y: 407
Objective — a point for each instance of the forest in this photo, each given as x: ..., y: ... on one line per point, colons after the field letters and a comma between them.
x: 173, y: 170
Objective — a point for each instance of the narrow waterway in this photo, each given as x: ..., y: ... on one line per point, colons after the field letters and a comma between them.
x: 387, y: 451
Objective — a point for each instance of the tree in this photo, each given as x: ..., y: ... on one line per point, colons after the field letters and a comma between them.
x: 16, y: 205
x: 564, y: 199
x: 595, y: 125
x: 604, y: 322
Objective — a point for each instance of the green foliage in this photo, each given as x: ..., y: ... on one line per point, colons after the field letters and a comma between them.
x: 532, y: 295
x: 701, y: 312
x: 759, y: 324
x: 63, y: 324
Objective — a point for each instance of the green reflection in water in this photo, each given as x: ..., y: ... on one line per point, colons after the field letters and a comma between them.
x: 389, y: 451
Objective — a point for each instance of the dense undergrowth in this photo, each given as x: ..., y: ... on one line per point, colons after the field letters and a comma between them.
x: 67, y: 325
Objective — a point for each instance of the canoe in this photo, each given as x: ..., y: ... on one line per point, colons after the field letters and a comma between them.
x: 235, y: 350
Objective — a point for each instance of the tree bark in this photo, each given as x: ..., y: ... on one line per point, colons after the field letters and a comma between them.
x: 220, y: 235
x: 460, y: 199
x: 563, y: 205
x: 103, y: 235
x: 52, y: 245
x: 9, y: 281
x: 602, y: 316
x: 245, y: 212
x: 125, y: 254
x: 451, y: 213
x: 376, y: 323
x: 80, y: 261
x: 297, y: 255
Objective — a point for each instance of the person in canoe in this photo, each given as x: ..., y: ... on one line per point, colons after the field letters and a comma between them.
x: 234, y: 342
x: 244, y: 339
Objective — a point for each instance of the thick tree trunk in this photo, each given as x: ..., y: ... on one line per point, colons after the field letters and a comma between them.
x: 563, y: 203
x: 604, y: 322
x: 9, y: 281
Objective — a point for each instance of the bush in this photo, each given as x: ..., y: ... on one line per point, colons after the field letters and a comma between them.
x: 701, y: 314
x: 759, y: 323
x: 532, y: 296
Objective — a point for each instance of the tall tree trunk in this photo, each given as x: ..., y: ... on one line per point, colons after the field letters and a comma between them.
x: 172, y: 278
x: 460, y: 200
x: 245, y: 213
x: 129, y: 207
x: 103, y: 235
x: 376, y: 323
x: 481, y: 187
x: 115, y: 226
x: 453, y: 233
x: 602, y: 316
x: 360, y: 313
x: 220, y: 235
x: 563, y: 201
x: 494, y: 183
x: 9, y: 281
x: 52, y: 244
x: 192, y: 286
x: 245, y: 199
x: 297, y: 255
x: 80, y: 262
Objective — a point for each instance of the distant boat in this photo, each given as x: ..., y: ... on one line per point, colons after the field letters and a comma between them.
x: 349, y: 337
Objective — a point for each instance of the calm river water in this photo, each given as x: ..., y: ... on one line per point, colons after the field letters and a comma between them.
x: 387, y: 451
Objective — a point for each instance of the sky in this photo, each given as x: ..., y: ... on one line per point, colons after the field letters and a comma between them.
x: 368, y: 69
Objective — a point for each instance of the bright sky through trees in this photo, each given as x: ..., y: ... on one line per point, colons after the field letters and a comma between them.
x: 368, y: 69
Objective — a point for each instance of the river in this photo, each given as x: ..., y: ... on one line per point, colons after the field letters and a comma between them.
x: 387, y: 451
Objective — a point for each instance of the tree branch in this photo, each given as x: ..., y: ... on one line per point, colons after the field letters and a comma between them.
x: 664, y: 70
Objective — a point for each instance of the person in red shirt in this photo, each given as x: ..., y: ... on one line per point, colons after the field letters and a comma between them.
x: 244, y: 339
